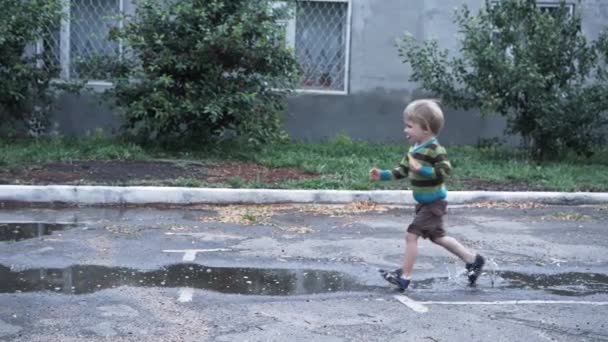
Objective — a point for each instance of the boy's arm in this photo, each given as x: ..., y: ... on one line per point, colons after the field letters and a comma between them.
x: 440, y: 168
x: 399, y: 172
x: 402, y: 170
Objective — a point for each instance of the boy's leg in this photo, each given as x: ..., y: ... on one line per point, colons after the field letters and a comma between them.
x: 474, y: 269
x: 411, y: 252
x: 401, y: 277
x: 455, y: 248
x: 473, y: 262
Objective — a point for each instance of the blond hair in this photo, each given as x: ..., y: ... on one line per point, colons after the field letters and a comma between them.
x: 426, y: 113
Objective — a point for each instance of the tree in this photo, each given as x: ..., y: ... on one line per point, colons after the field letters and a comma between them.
x: 204, y: 70
x: 536, y: 68
x: 25, y: 89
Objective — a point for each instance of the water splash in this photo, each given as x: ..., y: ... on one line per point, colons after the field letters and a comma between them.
x: 493, y: 270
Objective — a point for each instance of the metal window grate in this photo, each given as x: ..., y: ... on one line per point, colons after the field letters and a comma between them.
x: 319, y: 34
x: 546, y: 7
x: 79, y: 42
x: 321, y: 44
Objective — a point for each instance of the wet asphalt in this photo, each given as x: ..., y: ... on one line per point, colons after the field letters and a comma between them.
x: 299, y: 273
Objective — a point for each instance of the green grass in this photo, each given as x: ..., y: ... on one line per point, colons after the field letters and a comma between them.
x: 21, y: 153
x: 341, y: 163
x: 347, y: 166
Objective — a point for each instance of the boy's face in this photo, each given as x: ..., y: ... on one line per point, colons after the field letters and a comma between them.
x: 415, y: 134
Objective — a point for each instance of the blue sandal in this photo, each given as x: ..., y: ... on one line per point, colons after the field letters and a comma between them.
x: 394, y: 277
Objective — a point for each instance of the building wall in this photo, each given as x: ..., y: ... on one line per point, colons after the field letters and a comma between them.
x: 378, y: 88
x: 79, y: 115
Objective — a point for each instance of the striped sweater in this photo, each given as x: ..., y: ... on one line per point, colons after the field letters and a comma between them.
x: 428, y: 183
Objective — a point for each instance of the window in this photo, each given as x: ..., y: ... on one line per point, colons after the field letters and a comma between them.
x: 544, y: 7
x: 78, y: 45
x: 548, y: 7
x: 319, y: 34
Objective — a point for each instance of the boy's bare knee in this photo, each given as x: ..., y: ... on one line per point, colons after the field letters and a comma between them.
x: 437, y: 240
x: 409, y: 237
x: 443, y: 241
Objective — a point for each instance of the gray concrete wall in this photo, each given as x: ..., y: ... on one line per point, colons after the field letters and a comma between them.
x: 378, y: 88
x: 78, y: 115
x: 376, y: 116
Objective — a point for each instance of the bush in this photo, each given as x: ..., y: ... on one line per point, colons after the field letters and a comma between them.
x: 535, y: 68
x: 25, y: 90
x: 205, y: 70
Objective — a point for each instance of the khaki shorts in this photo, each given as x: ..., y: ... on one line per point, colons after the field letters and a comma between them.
x: 428, y: 222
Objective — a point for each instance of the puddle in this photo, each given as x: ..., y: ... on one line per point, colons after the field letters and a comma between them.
x: 248, y: 281
x: 562, y: 284
x: 271, y: 282
x: 23, y: 231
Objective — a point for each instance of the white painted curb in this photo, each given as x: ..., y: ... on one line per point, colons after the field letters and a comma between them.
x: 111, y: 195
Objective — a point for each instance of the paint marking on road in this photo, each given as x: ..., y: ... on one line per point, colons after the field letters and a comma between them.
x: 190, y: 254
x: 42, y: 250
x: 517, y: 302
x: 207, y: 236
x: 185, y: 294
x: 185, y: 234
x: 421, y: 306
x: 412, y: 304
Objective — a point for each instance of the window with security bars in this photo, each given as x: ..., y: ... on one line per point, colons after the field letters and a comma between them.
x: 78, y: 45
x: 319, y: 34
x: 546, y: 7
x: 549, y: 7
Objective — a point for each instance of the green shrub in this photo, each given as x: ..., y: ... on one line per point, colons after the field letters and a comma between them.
x: 342, y: 139
x: 535, y: 68
x: 25, y: 90
x: 205, y: 70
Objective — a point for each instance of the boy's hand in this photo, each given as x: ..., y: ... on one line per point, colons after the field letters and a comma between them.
x: 413, y: 163
x: 374, y: 174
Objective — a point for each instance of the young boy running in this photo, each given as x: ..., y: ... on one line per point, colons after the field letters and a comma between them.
x: 426, y: 165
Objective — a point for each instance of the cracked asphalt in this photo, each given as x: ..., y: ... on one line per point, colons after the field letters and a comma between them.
x: 299, y: 273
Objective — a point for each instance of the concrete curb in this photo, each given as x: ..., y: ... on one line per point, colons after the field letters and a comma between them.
x: 111, y: 195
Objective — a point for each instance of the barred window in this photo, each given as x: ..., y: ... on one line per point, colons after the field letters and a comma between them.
x: 549, y: 7
x: 544, y: 7
x: 319, y: 34
x: 78, y: 45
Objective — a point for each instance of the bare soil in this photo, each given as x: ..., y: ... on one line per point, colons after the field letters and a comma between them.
x: 146, y: 172
x: 129, y: 172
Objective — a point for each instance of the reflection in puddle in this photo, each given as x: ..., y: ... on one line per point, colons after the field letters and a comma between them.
x: 22, y: 231
x: 562, y: 284
x: 253, y: 281
x: 270, y: 282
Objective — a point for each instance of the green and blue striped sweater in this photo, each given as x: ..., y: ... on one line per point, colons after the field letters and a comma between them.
x: 428, y: 183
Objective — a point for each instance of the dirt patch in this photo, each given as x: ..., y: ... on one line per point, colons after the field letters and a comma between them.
x: 146, y: 172
x: 262, y: 214
x: 506, y: 205
x: 192, y: 173
x: 253, y: 172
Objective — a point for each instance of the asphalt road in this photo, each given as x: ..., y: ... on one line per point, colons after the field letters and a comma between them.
x: 299, y: 273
